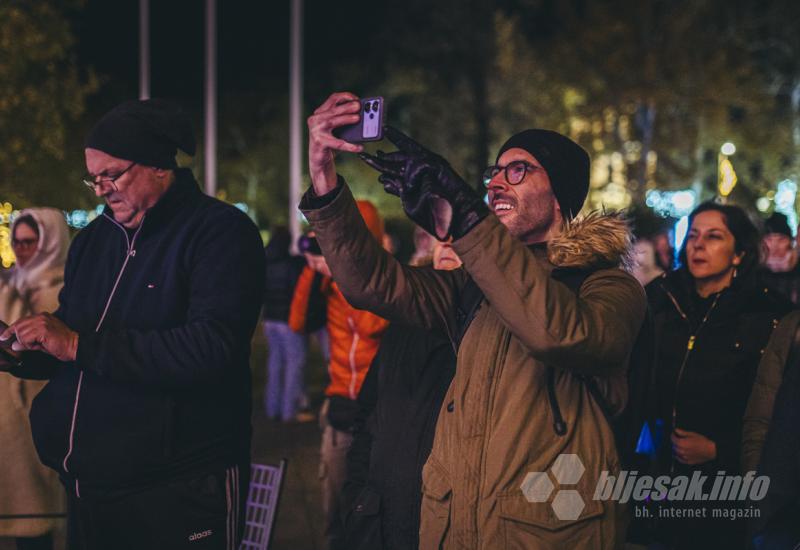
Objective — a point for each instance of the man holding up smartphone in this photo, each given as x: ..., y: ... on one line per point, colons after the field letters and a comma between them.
x: 146, y: 417
x: 555, y: 317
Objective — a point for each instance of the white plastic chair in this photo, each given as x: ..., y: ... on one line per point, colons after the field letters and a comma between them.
x: 263, y: 495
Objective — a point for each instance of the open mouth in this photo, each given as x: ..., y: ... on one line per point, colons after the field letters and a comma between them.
x: 502, y: 207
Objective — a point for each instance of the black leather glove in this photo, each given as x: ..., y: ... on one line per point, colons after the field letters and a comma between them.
x: 433, y: 195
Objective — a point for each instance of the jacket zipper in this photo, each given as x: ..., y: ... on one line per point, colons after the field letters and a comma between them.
x: 493, y: 384
x: 689, y: 348
x: 128, y: 255
x: 351, y: 390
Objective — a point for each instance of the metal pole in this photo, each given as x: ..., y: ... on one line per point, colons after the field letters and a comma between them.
x: 295, y: 119
x: 144, y: 49
x: 210, y: 172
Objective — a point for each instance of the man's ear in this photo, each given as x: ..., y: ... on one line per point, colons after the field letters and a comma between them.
x: 557, y: 209
x: 162, y: 173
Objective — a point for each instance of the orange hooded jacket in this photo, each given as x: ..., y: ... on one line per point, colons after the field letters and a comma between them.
x: 354, y: 333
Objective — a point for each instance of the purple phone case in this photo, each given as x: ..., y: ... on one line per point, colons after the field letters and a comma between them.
x: 369, y: 128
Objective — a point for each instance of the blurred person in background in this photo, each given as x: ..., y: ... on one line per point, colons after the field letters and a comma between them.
x: 284, y: 391
x: 712, y: 323
x: 40, y: 239
x: 782, y: 272
x: 645, y: 268
x: 354, y: 336
x: 424, y: 243
x: 398, y: 407
x: 665, y: 253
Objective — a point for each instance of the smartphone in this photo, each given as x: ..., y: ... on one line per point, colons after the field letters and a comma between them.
x: 5, y: 350
x: 369, y: 127
x: 309, y: 244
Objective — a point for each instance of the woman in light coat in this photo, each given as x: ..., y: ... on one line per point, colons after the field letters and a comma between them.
x: 40, y: 239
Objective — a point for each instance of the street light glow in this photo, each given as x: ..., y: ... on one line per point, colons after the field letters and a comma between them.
x: 727, y: 149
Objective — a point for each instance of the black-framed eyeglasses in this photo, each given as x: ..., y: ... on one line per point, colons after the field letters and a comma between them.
x: 24, y: 243
x: 514, y: 172
x: 92, y: 181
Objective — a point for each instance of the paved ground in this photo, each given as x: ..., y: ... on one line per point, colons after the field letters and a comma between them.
x: 299, y: 523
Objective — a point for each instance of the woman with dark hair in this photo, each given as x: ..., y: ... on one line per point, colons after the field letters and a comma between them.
x: 712, y: 323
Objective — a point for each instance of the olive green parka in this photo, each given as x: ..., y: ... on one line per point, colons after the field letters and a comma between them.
x: 496, y: 426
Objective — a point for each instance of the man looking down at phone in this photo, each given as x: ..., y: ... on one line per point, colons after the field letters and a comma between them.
x: 146, y: 417
x: 558, y: 317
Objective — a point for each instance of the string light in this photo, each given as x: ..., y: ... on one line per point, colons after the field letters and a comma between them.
x: 672, y: 204
x: 727, y: 177
x: 784, y: 202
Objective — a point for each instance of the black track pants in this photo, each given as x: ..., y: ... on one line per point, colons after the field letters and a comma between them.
x: 203, y: 513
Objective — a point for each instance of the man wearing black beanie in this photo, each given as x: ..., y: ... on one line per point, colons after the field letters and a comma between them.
x: 542, y: 315
x: 146, y: 417
x: 782, y: 269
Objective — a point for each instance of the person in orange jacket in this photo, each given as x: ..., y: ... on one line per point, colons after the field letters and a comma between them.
x: 354, y: 337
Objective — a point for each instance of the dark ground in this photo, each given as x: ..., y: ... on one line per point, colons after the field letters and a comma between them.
x: 299, y: 522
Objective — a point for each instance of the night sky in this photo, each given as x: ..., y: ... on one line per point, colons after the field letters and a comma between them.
x: 253, y: 44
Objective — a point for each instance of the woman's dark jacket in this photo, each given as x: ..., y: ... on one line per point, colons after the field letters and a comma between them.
x: 280, y: 278
x: 707, y: 353
x: 398, y: 407
x: 165, y: 313
x: 708, y: 393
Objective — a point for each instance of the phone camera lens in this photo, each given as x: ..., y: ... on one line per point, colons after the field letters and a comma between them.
x: 366, y: 107
x: 371, y: 116
x: 376, y: 106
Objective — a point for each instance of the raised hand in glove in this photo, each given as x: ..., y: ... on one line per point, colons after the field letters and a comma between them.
x: 433, y: 195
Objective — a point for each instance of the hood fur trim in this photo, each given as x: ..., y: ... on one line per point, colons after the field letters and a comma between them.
x: 598, y: 240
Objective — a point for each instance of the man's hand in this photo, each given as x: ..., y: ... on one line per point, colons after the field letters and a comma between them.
x: 434, y: 196
x: 43, y: 332
x: 692, y: 448
x: 340, y: 109
x: 318, y: 263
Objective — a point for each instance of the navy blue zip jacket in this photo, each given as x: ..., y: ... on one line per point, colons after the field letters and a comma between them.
x: 165, y: 313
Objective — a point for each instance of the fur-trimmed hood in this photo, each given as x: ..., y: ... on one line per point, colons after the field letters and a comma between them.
x: 598, y: 240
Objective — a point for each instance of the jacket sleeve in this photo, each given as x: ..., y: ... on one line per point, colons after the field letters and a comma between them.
x: 760, y: 406
x: 592, y: 331
x: 298, y: 311
x: 225, y: 286
x: 37, y: 365
x: 371, y: 278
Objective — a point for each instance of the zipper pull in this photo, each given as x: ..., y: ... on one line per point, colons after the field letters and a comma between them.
x: 132, y: 253
x: 690, y: 344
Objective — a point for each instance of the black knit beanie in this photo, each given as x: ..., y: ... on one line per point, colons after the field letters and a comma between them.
x: 148, y: 132
x: 566, y: 164
x: 778, y: 223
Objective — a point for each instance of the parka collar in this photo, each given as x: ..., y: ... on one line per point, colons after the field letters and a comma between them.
x: 591, y: 242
